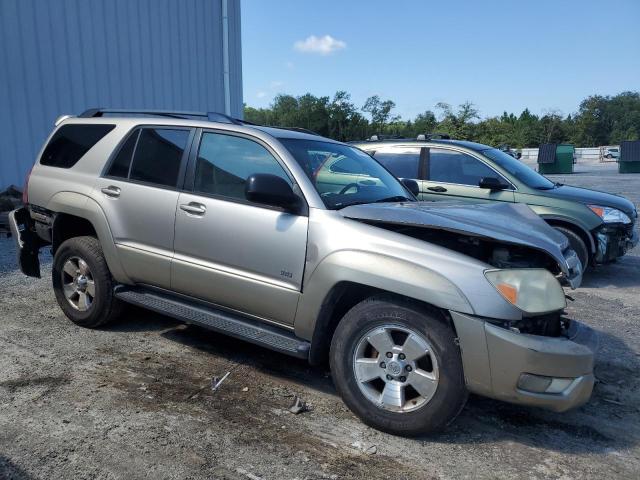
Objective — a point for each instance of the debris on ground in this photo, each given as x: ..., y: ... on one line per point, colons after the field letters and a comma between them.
x: 216, y: 382
x: 298, y: 406
x: 245, y: 389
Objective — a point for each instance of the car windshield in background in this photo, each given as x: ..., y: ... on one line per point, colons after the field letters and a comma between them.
x: 344, y: 175
x: 518, y: 169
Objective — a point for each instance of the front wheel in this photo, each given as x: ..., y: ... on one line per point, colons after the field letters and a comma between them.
x: 577, y: 244
x: 82, y: 283
x: 396, y: 365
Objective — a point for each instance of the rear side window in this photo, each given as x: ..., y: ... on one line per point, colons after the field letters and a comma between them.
x: 122, y: 162
x: 158, y: 155
x: 71, y: 142
x: 401, y: 161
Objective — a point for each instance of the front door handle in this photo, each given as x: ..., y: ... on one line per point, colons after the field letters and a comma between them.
x: 437, y: 188
x: 194, y: 208
x: 111, y: 191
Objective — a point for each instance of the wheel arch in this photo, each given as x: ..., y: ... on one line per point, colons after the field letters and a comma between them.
x: 584, y: 234
x: 347, y: 277
x: 77, y: 214
x: 342, y: 298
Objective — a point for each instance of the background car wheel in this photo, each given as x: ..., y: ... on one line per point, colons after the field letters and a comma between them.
x: 608, y: 155
x: 396, y: 365
x: 82, y: 283
x: 577, y: 244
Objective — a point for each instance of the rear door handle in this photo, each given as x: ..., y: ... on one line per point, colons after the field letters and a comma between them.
x: 111, y: 191
x: 437, y: 188
x: 194, y: 208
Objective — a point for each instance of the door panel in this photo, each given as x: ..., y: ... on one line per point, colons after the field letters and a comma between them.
x: 232, y: 252
x: 139, y: 197
x: 141, y: 219
x: 240, y: 256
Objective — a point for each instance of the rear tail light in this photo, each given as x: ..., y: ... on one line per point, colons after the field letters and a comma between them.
x: 25, y: 193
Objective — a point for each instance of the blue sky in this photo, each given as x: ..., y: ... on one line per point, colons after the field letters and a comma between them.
x: 501, y: 55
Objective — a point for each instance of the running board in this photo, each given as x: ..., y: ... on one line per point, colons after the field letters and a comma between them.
x: 218, y: 320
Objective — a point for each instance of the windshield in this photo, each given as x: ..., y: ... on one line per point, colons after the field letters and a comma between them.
x: 344, y: 175
x: 519, y: 170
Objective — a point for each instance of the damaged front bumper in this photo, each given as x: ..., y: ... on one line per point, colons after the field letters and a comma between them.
x: 571, y: 270
x: 614, y: 241
x: 555, y: 373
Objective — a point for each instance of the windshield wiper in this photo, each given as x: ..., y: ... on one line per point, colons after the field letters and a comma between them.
x: 395, y: 198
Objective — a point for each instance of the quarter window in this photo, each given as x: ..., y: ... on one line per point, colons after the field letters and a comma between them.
x: 401, y: 161
x: 448, y: 166
x: 122, y: 162
x: 71, y: 142
x: 226, y: 161
x: 158, y: 155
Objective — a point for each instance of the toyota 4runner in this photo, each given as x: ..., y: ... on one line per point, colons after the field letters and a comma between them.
x: 309, y: 247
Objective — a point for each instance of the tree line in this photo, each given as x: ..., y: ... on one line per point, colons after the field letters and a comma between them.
x: 600, y: 120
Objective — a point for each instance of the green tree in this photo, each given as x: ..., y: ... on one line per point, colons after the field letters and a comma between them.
x: 380, y: 111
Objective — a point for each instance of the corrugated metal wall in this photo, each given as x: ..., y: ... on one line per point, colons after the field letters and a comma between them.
x: 64, y: 56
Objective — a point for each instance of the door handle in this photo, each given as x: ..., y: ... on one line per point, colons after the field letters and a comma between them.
x: 437, y: 188
x: 111, y: 191
x: 194, y: 208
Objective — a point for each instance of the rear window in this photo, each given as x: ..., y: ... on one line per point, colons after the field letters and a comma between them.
x: 71, y: 142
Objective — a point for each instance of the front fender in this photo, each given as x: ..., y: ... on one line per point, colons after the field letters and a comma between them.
x: 79, y: 205
x: 377, y: 271
x: 584, y: 222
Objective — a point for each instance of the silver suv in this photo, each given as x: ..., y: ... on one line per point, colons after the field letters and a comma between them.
x: 309, y: 247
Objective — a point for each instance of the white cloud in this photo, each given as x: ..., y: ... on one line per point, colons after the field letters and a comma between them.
x: 289, y: 65
x: 261, y: 94
x: 321, y: 45
x: 276, y: 84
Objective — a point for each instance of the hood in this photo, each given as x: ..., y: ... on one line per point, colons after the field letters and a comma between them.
x: 592, y: 197
x: 513, y: 223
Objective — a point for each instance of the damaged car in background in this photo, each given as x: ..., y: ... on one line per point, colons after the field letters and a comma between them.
x: 311, y: 248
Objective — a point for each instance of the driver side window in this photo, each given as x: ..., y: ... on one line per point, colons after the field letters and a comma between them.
x: 226, y: 161
x: 449, y: 166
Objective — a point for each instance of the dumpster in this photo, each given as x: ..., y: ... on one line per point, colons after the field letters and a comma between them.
x: 555, y: 158
x: 629, y: 161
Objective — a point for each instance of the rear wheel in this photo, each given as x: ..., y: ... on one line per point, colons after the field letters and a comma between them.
x: 397, y: 366
x: 577, y: 244
x: 82, y: 283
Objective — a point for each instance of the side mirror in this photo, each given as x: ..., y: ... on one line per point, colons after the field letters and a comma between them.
x: 411, y: 185
x: 518, y: 155
x: 492, y: 183
x: 270, y: 190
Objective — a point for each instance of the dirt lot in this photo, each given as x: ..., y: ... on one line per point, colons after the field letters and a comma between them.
x: 134, y: 400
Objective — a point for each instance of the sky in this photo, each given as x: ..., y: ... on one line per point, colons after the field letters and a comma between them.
x: 501, y: 55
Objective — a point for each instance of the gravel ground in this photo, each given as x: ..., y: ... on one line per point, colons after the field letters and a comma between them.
x: 134, y: 400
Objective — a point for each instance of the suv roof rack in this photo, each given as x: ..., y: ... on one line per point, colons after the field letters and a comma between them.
x: 433, y: 136
x: 211, y: 116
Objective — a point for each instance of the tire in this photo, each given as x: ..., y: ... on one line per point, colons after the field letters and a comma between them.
x: 86, y: 296
x: 578, y: 245
x: 423, y: 414
x: 609, y: 155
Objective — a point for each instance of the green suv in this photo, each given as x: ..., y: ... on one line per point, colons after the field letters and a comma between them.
x: 599, y: 225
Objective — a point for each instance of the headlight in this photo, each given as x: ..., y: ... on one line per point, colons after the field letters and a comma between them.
x: 532, y: 290
x: 610, y: 215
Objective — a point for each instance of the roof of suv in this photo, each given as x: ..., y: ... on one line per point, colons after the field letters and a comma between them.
x: 186, y: 118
